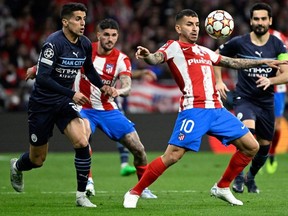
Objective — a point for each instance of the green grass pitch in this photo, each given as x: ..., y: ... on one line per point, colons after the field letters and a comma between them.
x: 184, y: 189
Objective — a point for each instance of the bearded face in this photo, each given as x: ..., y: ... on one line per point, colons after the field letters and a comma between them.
x: 260, y: 22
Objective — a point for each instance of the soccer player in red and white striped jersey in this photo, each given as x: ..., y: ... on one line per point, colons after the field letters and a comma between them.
x: 112, y: 65
x: 201, y: 110
x: 279, y: 107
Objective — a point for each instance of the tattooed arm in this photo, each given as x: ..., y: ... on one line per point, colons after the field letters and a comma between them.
x: 125, y: 86
x: 149, y: 58
x: 238, y: 63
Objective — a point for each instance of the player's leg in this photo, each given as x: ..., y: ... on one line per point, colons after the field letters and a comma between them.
x: 155, y: 169
x: 118, y: 127
x: 272, y: 164
x: 279, y: 107
x: 27, y: 161
x: 125, y: 168
x: 90, y: 190
x: 230, y: 130
x: 133, y: 143
x: 40, y: 127
x: 247, y: 147
x: 190, y: 120
x: 89, y: 127
x: 238, y: 184
x: 76, y: 133
x: 244, y: 110
x: 264, y: 131
x: 257, y: 163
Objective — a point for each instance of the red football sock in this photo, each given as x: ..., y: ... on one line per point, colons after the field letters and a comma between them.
x: 275, y: 141
x: 153, y: 171
x: 140, y: 170
x: 237, y: 163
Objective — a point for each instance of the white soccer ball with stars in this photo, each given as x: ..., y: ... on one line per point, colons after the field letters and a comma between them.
x: 219, y: 24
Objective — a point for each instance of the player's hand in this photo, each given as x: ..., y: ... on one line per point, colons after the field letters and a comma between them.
x: 275, y: 63
x: 80, y: 98
x: 263, y: 82
x: 30, y: 74
x: 222, y: 88
x: 141, y: 52
x: 108, y: 90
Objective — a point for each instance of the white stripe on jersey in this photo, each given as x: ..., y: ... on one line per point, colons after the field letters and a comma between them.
x: 109, y: 68
x: 192, y: 67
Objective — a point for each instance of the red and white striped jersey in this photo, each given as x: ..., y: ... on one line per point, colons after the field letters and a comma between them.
x: 282, y: 87
x: 109, y: 67
x: 192, y: 68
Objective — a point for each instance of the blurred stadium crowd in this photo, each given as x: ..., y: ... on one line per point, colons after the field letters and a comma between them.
x: 25, y: 24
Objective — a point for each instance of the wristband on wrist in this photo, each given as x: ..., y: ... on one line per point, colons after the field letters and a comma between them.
x: 34, y: 69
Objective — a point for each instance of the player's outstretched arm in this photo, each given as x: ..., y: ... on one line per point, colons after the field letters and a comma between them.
x: 281, y: 78
x: 238, y: 63
x: 149, y: 58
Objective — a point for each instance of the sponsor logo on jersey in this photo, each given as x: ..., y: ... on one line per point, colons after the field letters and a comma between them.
x: 106, y: 82
x: 67, y: 72
x: 263, y: 71
x: 199, y: 61
x: 72, y: 62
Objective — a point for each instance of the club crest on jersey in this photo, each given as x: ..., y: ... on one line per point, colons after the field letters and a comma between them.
x: 198, y: 51
x: 181, y: 136
x: 109, y: 68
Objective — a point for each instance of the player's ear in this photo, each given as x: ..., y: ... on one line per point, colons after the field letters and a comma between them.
x: 64, y: 22
x: 98, y: 36
x: 178, y: 28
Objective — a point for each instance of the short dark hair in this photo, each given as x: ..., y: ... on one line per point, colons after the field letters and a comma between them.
x: 185, y: 12
x: 69, y: 8
x: 261, y: 6
x: 108, y: 24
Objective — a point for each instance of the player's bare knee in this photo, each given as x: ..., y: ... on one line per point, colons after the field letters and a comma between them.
x: 251, y: 149
x: 81, y: 142
x: 254, y: 148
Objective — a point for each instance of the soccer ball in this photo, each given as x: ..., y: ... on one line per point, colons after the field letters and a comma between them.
x: 219, y: 24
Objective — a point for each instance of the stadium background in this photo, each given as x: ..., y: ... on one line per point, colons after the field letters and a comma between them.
x: 25, y: 24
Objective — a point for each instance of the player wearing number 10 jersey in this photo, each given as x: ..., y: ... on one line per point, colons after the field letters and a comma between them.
x: 201, y: 110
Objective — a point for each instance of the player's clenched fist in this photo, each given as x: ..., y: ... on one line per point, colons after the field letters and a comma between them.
x: 108, y: 90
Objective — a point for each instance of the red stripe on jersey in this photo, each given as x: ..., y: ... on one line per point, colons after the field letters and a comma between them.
x: 192, y: 68
x: 109, y: 67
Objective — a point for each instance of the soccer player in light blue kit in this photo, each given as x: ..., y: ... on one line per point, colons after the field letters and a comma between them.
x: 53, y: 101
x: 252, y: 104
